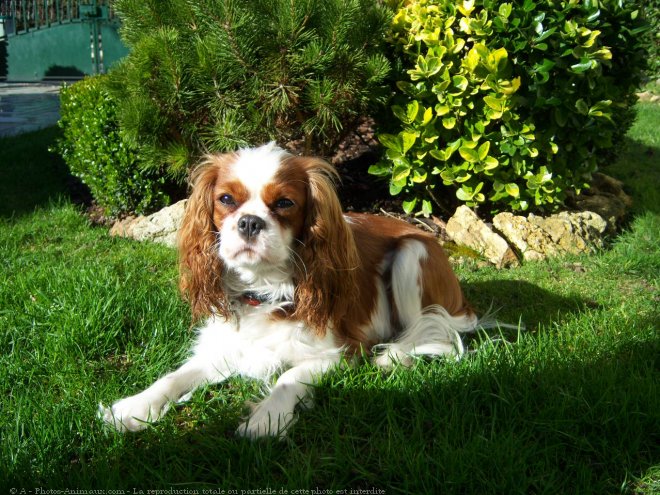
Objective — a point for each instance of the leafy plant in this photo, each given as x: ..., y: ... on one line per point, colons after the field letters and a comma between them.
x: 212, y: 76
x: 95, y: 151
x: 508, y: 104
x: 652, y: 13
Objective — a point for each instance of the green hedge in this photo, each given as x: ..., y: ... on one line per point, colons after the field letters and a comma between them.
x: 509, y: 105
x: 652, y: 10
x: 94, y: 149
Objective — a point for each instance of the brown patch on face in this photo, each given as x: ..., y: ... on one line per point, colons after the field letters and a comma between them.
x: 228, y: 196
x: 226, y: 184
x: 290, y: 184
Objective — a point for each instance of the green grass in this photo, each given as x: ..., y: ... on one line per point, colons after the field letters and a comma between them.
x: 569, y: 405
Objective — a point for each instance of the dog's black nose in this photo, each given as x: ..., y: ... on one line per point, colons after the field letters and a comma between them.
x: 249, y: 226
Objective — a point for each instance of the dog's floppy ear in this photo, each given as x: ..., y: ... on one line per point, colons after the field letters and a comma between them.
x: 326, y: 281
x: 200, y: 266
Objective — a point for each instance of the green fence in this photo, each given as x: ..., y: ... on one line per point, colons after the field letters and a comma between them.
x: 57, y: 39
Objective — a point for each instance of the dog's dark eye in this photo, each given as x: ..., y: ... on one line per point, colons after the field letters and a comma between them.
x: 227, y: 200
x: 283, y: 203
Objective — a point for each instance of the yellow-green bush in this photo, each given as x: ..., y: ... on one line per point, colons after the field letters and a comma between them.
x: 508, y: 104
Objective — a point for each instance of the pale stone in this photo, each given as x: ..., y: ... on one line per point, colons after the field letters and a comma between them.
x: 533, y: 237
x: 466, y: 229
x: 124, y: 228
x: 161, y: 226
x: 573, y: 232
x: 538, y: 237
x: 587, y: 225
x: 530, y: 240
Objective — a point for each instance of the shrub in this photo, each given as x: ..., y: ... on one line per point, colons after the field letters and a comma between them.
x: 95, y: 151
x: 652, y: 10
x: 213, y: 76
x: 509, y: 104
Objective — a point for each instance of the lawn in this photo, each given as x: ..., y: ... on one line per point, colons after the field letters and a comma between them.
x: 570, y: 404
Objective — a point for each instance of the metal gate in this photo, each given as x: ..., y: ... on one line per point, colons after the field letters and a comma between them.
x: 57, y: 39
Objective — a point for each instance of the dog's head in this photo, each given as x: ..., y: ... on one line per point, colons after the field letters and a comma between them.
x: 264, y: 217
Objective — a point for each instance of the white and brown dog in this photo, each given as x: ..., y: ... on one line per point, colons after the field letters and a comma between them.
x: 288, y: 285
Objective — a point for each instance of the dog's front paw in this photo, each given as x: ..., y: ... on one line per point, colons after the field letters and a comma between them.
x: 133, y: 413
x: 265, y: 422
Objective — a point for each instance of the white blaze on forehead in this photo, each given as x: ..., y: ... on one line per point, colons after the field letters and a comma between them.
x: 256, y: 167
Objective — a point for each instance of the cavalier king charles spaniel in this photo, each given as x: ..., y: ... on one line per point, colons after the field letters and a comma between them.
x: 289, y: 286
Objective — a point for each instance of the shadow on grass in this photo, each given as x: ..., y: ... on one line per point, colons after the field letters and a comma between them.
x: 32, y: 176
x: 639, y: 171
x: 574, y: 421
x: 563, y: 426
x: 519, y: 301
x: 571, y: 424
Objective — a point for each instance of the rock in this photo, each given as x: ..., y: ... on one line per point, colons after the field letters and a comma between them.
x: 605, y: 197
x: 124, y: 228
x: 161, y: 226
x: 574, y: 231
x: 533, y: 237
x: 601, y: 208
x: 530, y: 240
x: 466, y: 229
x: 648, y: 96
x: 536, y: 237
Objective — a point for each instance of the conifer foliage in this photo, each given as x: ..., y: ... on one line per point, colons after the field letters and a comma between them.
x: 213, y: 75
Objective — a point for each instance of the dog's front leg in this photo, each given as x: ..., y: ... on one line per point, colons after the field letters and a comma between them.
x: 136, y: 412
x: 275, y: 414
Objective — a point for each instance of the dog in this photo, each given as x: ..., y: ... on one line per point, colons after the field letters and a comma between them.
x: 288, y: 286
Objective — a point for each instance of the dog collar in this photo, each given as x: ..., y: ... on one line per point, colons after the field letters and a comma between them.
x: 257, y: 299
x: 253, y: 299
